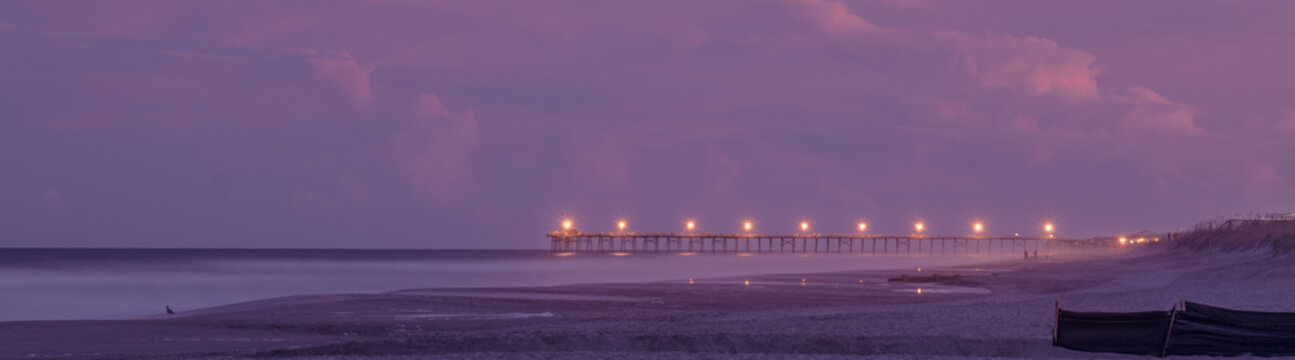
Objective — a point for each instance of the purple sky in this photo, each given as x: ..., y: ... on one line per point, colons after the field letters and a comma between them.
x: 479, y: 124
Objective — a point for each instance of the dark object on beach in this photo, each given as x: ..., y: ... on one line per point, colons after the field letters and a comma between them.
x: 169, y: 311
x: 936, y: 278
x: 1207, y: 330
x: 1138, y: 333
x: 1196, y: 329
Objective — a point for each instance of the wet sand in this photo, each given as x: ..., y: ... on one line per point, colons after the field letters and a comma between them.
x: 999, y: 310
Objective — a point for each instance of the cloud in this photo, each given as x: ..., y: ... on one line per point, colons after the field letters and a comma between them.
x: 430, y: 107
x: 655, y: 104
x: 1262, y: 179
x: 1152, y: 113
x: 1034, y: 65
x: 433, y: 153
x: 344, y: 71
x: 1287, y: 121
x: 832, y: 17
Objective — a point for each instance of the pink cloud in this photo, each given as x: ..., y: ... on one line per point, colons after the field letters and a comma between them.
x: 1034, y: 65
x: 721, y: 89
x: 433, y: 154
x: 430, y: 106
x: 1152, y: 113
x: 1262, y: 179
x: 1287, y: 121
x: 344, y: 71
x: 833, y: 17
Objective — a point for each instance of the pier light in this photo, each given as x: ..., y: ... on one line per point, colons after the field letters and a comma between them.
x: 746, y: 226
x: 804, y: 226
x: 919, y: 227
x: 690, y: 225
x: 863, y: 226
x: 1047, y: 228
x: 566, y: 224
x: 1124, y: 240
x: 620, y: 225
x: 978, y: 228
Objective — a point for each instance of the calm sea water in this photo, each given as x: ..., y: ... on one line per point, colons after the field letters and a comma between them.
x: 44, y: 284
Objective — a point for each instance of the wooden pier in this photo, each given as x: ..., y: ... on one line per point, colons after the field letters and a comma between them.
x: 570, y: 241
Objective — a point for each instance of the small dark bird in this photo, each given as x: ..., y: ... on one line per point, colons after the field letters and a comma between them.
x: 169, y: 311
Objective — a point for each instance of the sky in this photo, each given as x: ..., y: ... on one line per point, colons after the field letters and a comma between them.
x: 482, y: 124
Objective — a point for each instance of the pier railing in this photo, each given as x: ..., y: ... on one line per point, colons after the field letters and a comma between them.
x: 571, y: 241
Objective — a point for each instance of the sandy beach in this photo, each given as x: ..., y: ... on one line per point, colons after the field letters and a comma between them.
x: 995, y: 310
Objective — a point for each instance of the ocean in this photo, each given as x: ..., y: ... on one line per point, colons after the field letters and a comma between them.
x: 65, y: 284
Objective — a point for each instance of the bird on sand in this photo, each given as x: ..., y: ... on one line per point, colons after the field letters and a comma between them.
x: 169, y: 311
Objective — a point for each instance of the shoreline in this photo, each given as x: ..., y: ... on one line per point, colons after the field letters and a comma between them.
x: 852, y: 313
x: 341, y: 324
x: 127, y: 284
x: 756, y: 280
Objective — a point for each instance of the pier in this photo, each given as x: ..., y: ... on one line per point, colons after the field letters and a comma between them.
x: 629, y: 242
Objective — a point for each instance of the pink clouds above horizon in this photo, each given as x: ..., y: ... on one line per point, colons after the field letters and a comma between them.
x: 476, y: 124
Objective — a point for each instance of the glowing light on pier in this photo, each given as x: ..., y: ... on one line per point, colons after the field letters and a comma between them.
x: 1124, y: 240
x: 1047, y: 228
x: 746, y: 242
